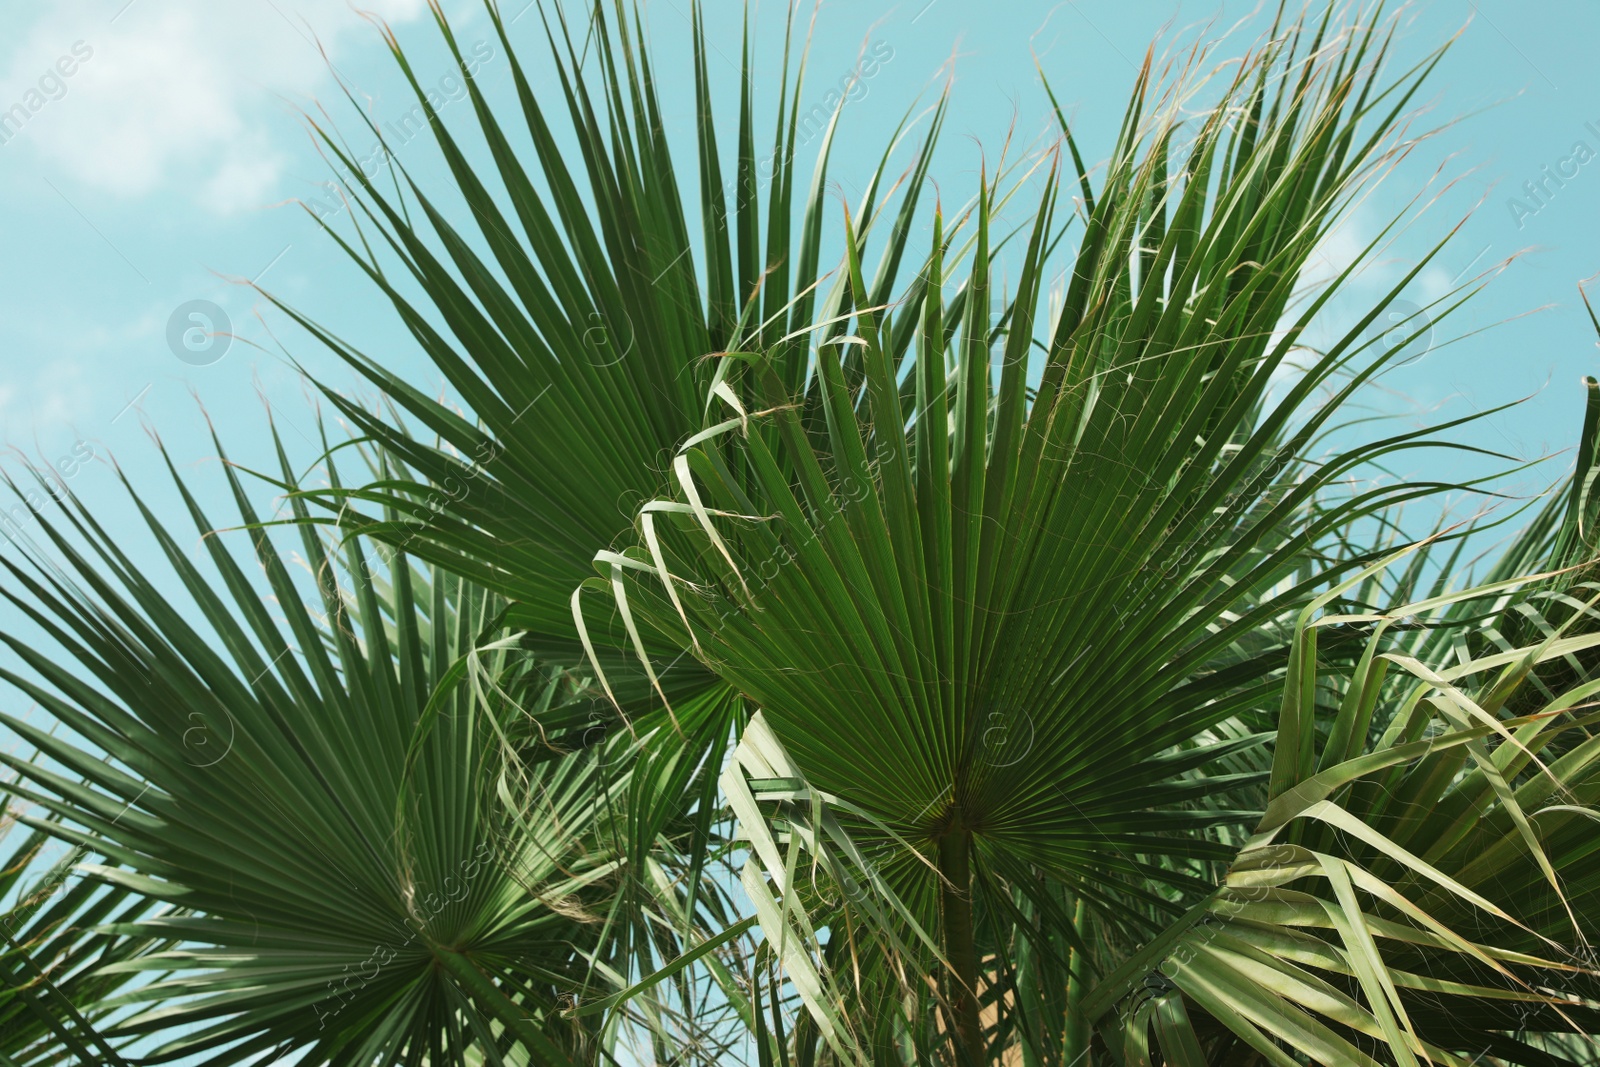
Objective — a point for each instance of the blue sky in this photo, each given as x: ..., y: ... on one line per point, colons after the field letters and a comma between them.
x: 159, y: 145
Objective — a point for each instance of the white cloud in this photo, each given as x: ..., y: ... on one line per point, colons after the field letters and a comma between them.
x: 1344, y: 246
x: 173, y: 93
x: 60, y: 380
x: 246, y: 176
x: 58, y: 388
x: 1434, y: 282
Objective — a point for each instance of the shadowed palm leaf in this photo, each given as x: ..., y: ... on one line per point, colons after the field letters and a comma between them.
x: 1401, y: 896
x: 54, y: 990
x: 336, y: 797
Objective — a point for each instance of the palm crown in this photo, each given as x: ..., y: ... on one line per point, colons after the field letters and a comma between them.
x: 1022, y: 655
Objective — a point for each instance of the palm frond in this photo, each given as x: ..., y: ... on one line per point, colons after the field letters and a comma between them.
x: 338, y: 781
x: 1419, y: 897
x: 55, y: 991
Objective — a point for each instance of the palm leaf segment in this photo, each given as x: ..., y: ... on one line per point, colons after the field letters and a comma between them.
x: 1420, y: 884
x: 333, y: 799
x: 1419, y: 887
x: 579, y: 342
x: 55, y: 989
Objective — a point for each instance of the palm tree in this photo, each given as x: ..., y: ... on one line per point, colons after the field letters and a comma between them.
x: 917, y: 561
x: 1025, y: 659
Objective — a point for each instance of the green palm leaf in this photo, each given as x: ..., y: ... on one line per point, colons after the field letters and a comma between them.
x: 344, y: 791
x: 997, y: 604
x: 1403, y: 901
x: 579, y: 343
x: 898, y: 574
x: 54, y: 984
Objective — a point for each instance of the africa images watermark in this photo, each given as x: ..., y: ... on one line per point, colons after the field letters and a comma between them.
x: 401, y: 131
x: 50, y: 86
x: 422, y: 911
x: 1538, y: 193
x: 850, y: 88
x: 198, y: 332
x: 848, y: 492
x: 55, y: 478
x: 451, y: 489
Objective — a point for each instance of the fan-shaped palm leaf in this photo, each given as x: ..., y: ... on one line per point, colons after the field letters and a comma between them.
x: 1420, y: 896
x: 987, y: 619
x: 332, y: 795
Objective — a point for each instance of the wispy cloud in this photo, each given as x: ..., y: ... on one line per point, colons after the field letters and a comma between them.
x: 173, y: 95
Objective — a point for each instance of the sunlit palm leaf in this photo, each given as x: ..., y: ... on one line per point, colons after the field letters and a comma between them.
x: 1401, y: 902
x: 580, y: 344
